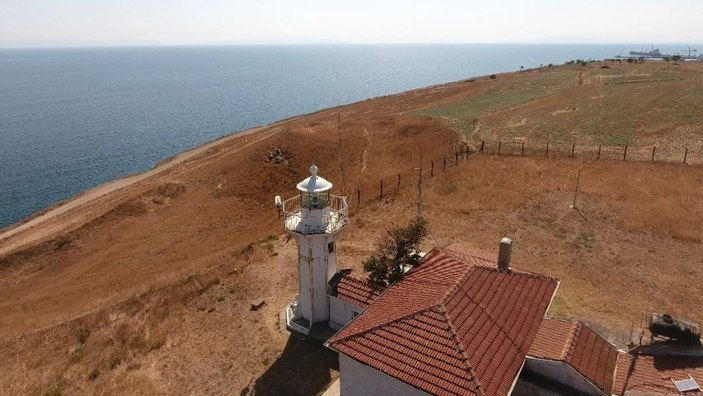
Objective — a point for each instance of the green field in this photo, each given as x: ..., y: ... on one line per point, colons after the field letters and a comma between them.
x: 662, y: 102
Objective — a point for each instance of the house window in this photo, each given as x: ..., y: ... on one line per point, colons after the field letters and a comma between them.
x: 330, y: 247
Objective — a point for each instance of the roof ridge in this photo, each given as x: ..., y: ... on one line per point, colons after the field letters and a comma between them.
x: 374, y: 328
x: 570, y: 346
x: 493, y: 267
x: 413, y: 313
x: 456, y: 286
x: 459, y: 348
x: 494, y: 321
x: 483, y: 309
x: 446, y: 248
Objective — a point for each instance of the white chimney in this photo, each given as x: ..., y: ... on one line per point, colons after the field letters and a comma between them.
x: 506, y: 248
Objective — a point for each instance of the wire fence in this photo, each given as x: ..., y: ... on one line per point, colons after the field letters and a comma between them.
x: 600, y: 152
x: 389, y: 186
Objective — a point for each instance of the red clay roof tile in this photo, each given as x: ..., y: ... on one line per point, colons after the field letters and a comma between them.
x: 574, y: 343
x: 651, y: 375
x: 454, y: 325
x: 357, y: 291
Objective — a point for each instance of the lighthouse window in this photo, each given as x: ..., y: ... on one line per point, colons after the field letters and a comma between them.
x: 315, y: 200
x: 330, y: 247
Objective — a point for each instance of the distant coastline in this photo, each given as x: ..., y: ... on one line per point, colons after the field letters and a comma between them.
x: 77, y: 118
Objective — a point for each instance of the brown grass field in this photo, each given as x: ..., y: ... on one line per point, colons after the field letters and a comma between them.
x: 145, y: 289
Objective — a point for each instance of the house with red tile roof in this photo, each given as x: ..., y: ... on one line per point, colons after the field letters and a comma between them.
x: 652, y: 370
x: 348, y: 296
x: 457, y: 324
x: 461, y: 322
x: 572, y: 356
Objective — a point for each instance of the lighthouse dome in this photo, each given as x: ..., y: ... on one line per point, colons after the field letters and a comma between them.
x: 314, y: 183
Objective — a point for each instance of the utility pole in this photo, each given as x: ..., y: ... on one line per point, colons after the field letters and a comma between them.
x: 341, y: 172
x: 419, y: 187
x: 578, y: 179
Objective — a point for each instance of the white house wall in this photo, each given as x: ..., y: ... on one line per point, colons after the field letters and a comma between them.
x: 341, y: 312
x: 357, y: 379
x: 562, y: 373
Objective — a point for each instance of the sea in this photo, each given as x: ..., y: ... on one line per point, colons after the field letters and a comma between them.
x: 73, y: 118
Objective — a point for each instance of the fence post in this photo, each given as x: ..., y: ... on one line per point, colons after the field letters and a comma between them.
x: 466, y: 153
x: 624, y: 154
x: 445, y: 164
x: 685, y: 155
x: 431, y: 168
x: 398, y: 181
x: 573, y: 147
x: 381, y: 190
x: 654, y: 151
x: 358, y: 197
x: 499, y: 144
x: 546, y: 153
x: 599, y: 151
x: 481, y: 149
x: 456, y: 158
x: 522, y: 149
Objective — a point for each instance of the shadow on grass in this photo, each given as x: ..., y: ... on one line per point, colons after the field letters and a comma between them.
x: 302, y: 369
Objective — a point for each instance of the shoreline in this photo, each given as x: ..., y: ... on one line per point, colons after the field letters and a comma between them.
x: 102, y: 190
x: 108, y: 187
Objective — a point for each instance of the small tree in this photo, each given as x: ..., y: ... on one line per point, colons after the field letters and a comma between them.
x: 397, y: 249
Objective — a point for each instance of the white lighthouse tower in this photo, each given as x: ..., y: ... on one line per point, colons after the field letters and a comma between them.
x: 315, y: 218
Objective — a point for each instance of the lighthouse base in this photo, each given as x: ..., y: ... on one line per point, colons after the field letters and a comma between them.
x: 295, y: 323
x: 319, y: 330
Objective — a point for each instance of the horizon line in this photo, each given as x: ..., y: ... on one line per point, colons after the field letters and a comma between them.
x: 273, y: 44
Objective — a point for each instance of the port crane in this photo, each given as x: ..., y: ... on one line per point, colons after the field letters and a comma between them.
x: 689, y: 50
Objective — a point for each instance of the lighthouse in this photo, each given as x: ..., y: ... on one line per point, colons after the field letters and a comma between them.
x: 315, y: 218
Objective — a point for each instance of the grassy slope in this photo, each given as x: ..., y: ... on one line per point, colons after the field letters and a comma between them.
x: 661, y: 102
x: 162, y: 277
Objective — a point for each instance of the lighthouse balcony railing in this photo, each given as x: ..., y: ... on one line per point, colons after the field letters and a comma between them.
x: 294, y: 216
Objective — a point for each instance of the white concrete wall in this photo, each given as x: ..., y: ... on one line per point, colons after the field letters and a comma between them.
x: 316, y: 267
x: 357, y: 379
x: 341, y: 312
x: 562, y: 373
x: 305, y: 288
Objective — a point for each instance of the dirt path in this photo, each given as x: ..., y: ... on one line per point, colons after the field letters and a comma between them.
x: 39, y: 227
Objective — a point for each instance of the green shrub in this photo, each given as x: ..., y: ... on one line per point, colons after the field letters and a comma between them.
x: 397, y: 248
x: 82, y: 334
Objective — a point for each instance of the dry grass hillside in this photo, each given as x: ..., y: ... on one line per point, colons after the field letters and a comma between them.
x: 146, y: 289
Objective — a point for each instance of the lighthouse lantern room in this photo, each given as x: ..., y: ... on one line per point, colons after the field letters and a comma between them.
x: 314, y: 218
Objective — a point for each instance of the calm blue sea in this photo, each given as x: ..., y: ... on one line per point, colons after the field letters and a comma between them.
x: 71, y: 119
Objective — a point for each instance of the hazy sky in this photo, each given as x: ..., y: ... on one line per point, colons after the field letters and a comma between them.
x: 120, y: 22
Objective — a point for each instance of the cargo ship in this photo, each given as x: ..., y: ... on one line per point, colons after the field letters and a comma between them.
x: 653, y: 53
